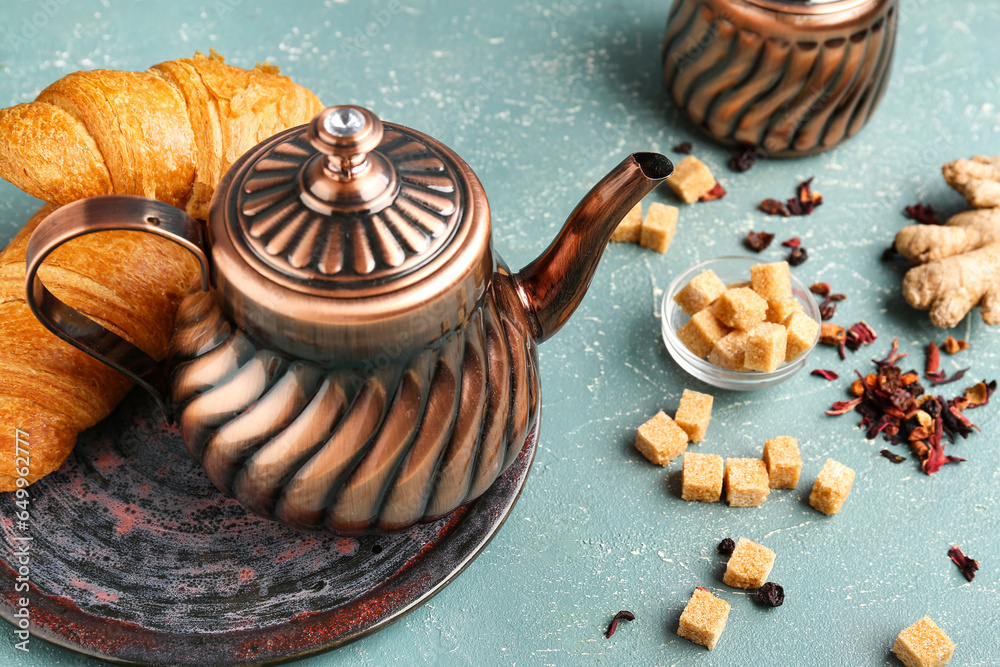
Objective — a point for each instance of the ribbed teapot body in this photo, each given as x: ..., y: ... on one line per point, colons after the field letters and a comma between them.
x: 390, y: 440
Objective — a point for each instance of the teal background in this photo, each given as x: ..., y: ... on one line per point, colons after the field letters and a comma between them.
x: 541, y: 99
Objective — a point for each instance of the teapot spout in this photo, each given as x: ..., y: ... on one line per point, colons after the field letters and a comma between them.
x: 552, y: 286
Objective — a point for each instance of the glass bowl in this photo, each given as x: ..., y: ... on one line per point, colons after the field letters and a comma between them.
x: 730, y: 270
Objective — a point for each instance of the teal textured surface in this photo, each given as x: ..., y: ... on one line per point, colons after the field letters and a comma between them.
x: 541, y: 99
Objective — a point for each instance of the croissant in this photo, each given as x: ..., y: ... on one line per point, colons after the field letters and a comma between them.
x: 169, y: 133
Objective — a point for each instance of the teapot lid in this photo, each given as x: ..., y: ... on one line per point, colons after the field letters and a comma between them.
x: 339, y: 236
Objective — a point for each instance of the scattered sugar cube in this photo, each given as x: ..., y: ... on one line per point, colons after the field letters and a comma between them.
x: 703, y: 289
x: 691, y: 179
x: 661, y: 440
x: 694, y: 413
x: 749, y: 565
x: 704, y: 618
x: 765, y: 347
x: 831, y: 487
x: 783, y: 462
x: 746, y: 482
x: 779, y: 310
x: 729, y: 351
x: 658, y: 227
x: 700, y: 333
x: 630, y: 228
x: 701, y: 477
x: 802, y: 331
x: 772, y: 281
x: 740, y: 308
x: 923, y: 644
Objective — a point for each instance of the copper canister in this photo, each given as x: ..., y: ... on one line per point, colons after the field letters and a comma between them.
x: 784, y: 77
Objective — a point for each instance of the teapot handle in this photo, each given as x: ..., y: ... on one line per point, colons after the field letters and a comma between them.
x: 100, y: 214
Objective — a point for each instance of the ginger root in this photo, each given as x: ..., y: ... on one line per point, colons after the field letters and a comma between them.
x: 977, y: 179
x: 960, y: 260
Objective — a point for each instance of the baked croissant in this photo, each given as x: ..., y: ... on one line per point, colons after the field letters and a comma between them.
x: 51, y: 391
x: 169, y: 133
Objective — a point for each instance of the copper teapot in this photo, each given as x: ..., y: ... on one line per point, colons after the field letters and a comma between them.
x: 357, y: 357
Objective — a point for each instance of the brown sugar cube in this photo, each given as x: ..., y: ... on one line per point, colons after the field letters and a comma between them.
x: 704, y: 618
x: 746, y: 482
x: 701, y: 477
x: 772, y: 281
x: 694, y: 413
x: 700, y: 333
x: 703, y: 289
x: 783, y: 462
x: 740, y: 308
x: 749, y: 565
x: 729, y: 351
x: 658, y: 227
x: 661, y: 440
x: 691, y: 179
x: 779, y: 310
x: 765, y: 347
x: 802, y: 331
x: 745, y: 283
x: 630, y: 228
x: 831, y: 487
x: 923, y: 644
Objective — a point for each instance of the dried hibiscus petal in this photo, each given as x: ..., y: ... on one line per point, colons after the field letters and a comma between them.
x: 859, y: 334
x: 623, y: 615
x: 843, y: 407
x: 935, y: 455
x: 770, y: 594
x: 941, y: 378
x: 964, y: 563
x: 743, y: 161
x: 827, y: 309
x: 923, y: 214
x: 726, y: 547
x: 797, y: 256
x: 895, y: 458
x: 826, y: 375
x: 717, y: 192
x: 774, y: 207
x: 758, y: 241
x: 933, y: 359
x: 684, y: 148
x: 822, y: 289
x: 793, y: 242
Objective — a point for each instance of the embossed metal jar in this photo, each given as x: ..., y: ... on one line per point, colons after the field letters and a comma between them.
x: 787, y: 77
x: 358, y: 358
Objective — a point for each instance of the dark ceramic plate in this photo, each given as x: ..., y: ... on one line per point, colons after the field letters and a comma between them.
x: 136, y: 557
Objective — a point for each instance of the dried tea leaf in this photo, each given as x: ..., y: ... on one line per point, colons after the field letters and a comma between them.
x: 831, y: 334
x: 774, y: 207
x: 726, y: 547
x: 758, y: 241
x: 797, y: 256
x: 770, y: 594
x: 895, y: 458
x: 684, y: 148
x: 743, y: 161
